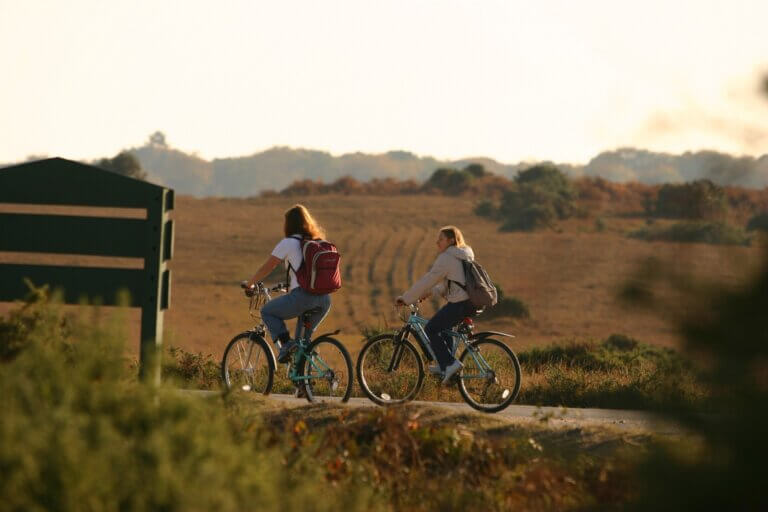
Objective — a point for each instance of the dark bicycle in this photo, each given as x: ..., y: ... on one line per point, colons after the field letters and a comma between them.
x: 321, y: 369
x: 391, y: 371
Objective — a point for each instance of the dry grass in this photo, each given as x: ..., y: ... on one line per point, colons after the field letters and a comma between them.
x: 568, y: 280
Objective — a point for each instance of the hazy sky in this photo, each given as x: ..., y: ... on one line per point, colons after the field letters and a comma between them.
x: 511, y: 80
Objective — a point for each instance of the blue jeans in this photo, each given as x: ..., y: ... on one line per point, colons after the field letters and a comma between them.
x: 446, y: 318
x: 293, y: 304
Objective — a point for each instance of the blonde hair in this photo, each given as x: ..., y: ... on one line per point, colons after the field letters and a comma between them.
x: 298, y: 221
x: 454, y: 233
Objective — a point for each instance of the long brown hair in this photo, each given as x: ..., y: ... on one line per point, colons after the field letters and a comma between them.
x: 298, y: 221
x: 454, y: 233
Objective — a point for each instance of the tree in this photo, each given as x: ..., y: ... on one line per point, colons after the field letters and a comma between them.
x: 700, y: 199
x: 541, y: 195
x: 158, y: 139
x: 123, y: 163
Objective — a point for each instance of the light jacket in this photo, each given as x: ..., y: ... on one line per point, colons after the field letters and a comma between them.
x: 446, y: 266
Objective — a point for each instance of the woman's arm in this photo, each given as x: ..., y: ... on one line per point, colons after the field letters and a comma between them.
x: 423, y: 287
x: 265, y: 269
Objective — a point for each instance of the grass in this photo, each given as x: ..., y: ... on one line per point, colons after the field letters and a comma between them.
x: 618, y: 372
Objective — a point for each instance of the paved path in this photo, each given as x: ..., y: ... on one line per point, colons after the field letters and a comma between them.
x: 554, y: 416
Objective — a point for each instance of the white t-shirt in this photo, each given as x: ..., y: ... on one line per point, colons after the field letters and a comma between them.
x: 289, y: 250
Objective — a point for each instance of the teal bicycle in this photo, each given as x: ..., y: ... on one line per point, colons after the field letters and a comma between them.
x: 390, y: 369
x: 320, y: 369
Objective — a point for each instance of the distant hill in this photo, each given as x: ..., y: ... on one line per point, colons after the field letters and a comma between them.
x: 278, y: 167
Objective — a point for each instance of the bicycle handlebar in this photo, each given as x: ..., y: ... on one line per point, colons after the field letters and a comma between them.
x: 259, y: 287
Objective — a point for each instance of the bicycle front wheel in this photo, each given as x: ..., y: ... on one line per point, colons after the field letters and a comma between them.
x: 491, y: 377
x: 389, y: 371
x: 326, y: 371
x: 248, y: 364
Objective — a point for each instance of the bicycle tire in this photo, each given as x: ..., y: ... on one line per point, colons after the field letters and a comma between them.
x: 506, y: 392
x: 373, y: 386
x: 246, y: 370
x: 329, y: 368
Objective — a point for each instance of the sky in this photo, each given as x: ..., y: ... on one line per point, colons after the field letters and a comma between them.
x: 510, y: 80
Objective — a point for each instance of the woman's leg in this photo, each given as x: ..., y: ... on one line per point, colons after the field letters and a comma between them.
x: 448, y: 316
x: 276, y: 311
x: 324, y: 303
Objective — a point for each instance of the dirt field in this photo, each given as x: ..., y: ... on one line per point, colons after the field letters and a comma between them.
x: 569, y: 280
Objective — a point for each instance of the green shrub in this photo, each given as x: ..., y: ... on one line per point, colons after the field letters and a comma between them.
x: 758, y: 222
x: 619, y: 373
x: 541, y: 196
x: 719, y: 233
x: 191, y: 370
x: 699, y: 199
x: 507, y: 306
x: 486, y: 208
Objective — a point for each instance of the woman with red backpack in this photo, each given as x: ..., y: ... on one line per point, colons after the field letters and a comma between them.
x: 302, y: 237
x: 445, y: 278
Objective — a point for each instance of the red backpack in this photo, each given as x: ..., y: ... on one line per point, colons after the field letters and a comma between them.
x: 319, y: 272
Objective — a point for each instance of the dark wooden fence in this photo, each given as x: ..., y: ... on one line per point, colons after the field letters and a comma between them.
x: 57, y: 181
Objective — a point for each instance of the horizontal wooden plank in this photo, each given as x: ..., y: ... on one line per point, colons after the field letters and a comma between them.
x: 64, y: 182
x: 66, y: 234
x: 77, y: 283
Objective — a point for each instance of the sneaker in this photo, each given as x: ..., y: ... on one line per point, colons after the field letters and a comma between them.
x: 451, y: 370
x: 434, y: 369
x: 285, y: 352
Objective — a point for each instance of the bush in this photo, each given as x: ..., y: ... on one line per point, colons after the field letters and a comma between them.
x: 486, y: 208
x: 507, y: 306
x: 699, y: 199
x: 619, y: 373
x: 758, y: 222
x: 719, y: 233
x: 197, y: 371
x: 78, y: 432
x: 454, y: 181
x: 541, y: 196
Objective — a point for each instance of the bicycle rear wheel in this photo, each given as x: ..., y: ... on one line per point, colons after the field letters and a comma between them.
x: 389, y: 372
x: 491, y: 377
x: 248, y: 364
x: 326, y: 371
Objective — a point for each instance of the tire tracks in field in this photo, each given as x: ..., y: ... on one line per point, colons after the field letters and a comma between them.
x: 356, y: 250
x: 376, y: 278
x: 399, y: 278
x: 414, y: 252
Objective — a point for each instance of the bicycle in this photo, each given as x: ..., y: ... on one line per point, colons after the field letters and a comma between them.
x: 320, y: 369
x: 391, y: 371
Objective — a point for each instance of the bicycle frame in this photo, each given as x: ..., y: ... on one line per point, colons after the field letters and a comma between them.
x: 302, y: 335
x: 415, y: 324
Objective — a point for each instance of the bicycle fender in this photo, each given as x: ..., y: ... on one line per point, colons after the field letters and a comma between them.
x: 486, y: 334
x: 334, y: 333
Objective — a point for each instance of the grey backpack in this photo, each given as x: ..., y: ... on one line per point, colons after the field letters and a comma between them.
x: 479, y: 287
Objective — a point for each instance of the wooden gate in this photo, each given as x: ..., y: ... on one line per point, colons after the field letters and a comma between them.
x: 61, y: 182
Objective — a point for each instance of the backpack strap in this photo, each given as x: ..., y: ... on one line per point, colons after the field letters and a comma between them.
x: 290, y: 267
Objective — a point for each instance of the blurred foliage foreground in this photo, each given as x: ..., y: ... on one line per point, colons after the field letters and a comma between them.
x: 79, y: 432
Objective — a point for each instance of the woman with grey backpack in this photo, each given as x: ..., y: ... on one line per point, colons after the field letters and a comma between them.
x: 446, y: 278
